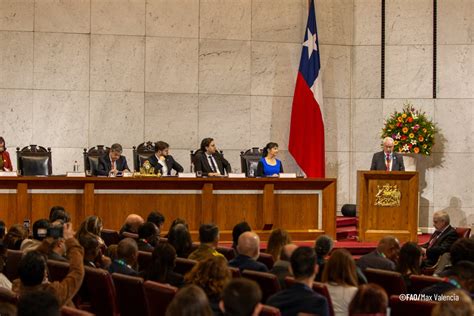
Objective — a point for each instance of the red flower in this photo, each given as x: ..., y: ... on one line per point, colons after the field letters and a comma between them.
x: 399, y: 124
x: 404, y: 137
x: 410, y: 119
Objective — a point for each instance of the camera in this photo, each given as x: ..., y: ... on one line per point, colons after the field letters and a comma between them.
x: 55, y: 231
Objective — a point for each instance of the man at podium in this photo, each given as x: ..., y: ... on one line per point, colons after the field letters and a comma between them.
x: 387, y: 159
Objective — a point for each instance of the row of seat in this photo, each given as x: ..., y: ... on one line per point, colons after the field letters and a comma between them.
x: 36, y: 160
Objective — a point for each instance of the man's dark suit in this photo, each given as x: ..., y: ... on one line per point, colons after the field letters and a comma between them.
x: 201, y: 163
x: 246, y: 263
x: 376, y: 261
x: 170, y: 163
x: 105, y: 165
x: 441, y: 245
x: 378, y: 162
x: 299, y: 298
x: 117, y: 267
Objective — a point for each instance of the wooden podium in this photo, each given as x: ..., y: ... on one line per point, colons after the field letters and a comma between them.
x: 388, y: 205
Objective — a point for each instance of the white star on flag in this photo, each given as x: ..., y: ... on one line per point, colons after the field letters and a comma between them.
x: 311, y: 43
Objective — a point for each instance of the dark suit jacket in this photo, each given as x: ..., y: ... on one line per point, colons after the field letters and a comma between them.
x: 105, y: 165
x: 378, y: 162
x: 170, y: 163
x: 376, y: 261
x: 116, y: 267
x: 202, y: 164
x: 246, y: 263
x: 299, y: 299
x: 442, y: 244
x: 144, y: 246
x: 281, y: 269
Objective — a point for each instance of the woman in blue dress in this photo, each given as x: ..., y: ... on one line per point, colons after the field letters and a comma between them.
x: 268, y: 165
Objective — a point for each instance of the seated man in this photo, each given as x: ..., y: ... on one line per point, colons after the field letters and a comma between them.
x: 441, y: 240
x: 209, y: 161
x: 209, y: 238
x: 384, y: 257
x: 147, y: 237
x: 131, y: 224
x: 461, y: 276
x: 93, y: 256
x: 281, y: 268
x: 300, y: 297
x: 113, y: 162
x: 248, y: 248
x: 33, y: 273
x: 241, y: 297
x: 127, y: 256
x: 156, y: 218
x: 162, y: 161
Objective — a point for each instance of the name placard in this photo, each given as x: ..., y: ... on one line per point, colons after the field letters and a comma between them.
x: 236, y: 175
x: 8, y: 174
x: 186, y: 175
x: 76, y: 174
x: 287, y: 175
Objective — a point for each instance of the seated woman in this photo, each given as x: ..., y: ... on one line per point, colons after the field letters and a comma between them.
x: 5, y: 162
x: 409, y: 262
x: 268, y: 165
x: 161, y: 268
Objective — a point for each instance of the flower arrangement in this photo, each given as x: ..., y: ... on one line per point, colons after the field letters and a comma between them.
x: 411, y: 131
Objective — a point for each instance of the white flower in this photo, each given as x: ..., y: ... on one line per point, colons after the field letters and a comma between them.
x: 398, y: 136
x: 406, y: 148
x: 413, y: 142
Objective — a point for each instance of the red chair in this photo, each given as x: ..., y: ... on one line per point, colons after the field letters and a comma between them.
x: 183, y: 265
x: 403, y: 308
x: 100, y: 287
x: 463, y: 232
x: 11, y: 266
x: 266, y: 259
x: 391, y: 281
x: 420, y: 282
x: 269, y: 311
x: 145, y: 259
x: 7, y: 296
x: 268, y: 282
x: 129, y: 235
x: 57, y: 270
x: 158, y: 296
x: 319, y: 288
x: 235, y: 272
x: 227, y: 252
x: 110, y: 236
x: 69, y: 311
x: 130, y: 295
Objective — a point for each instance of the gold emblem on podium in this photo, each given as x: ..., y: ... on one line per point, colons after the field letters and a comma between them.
x: 387, y: 195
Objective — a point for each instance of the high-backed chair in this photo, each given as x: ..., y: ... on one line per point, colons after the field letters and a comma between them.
x: 409, y: 307
x: 193, y: 154
x: 91, y: 158
x: 70, y: 311
x: 57, y: 270
x: 141, y: 153
x: 130, y: 295
x: 227, y: 252
x: 269, y: 311
x: 463, y: 232
x: 145, y: 259
x: 100, y: 287
x: 391, y: 281
x: 420, y: 282
x: 235, y: 272
x: 268, y: 282
x: 110, y: 236
x: 11, y: 266
x: 183, y: 265
x: 34, y: 160
x: 266, y: 259
x: 158, y: 296
x: 249, y: 161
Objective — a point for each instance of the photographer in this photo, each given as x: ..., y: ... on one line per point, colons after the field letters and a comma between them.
x: 32, y: 268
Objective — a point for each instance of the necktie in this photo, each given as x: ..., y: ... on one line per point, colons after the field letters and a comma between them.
x: 434, y: 238
x: 213, y: 165
x: 387, y: 162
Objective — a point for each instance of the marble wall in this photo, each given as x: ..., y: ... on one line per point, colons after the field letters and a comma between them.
x: 77, y: 73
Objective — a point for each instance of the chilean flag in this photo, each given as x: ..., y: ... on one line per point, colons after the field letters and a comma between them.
x: 306, y: 142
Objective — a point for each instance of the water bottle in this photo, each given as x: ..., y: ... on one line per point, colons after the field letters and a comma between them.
x: 75, y: 168
x: 191, y: 168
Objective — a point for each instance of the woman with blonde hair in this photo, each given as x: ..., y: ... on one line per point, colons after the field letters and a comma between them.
x: 340, y: 277
x: 278, y: 238
x: 212, y: 275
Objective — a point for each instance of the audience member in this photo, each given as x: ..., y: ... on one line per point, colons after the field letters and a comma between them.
x: 15, y: 236
x: 111, y: 252
x: 180, y: 238
x: 461, y: 305
x: 409, y: 262
x: 341, y: 280
x: 59, y: 213
x: 277, y: 239
x: 241, y: 297
x: 32, y: 270
x: 38, y: 303
x: 156, y: 218
x: 248, y: 248
x: 127, y: 255
x: 3, y: 229
x: 281, y: 268
x: 4, y: 282
x: 460, y: 277
x: 300, y: 297
x: 148, y: 236
x: 441, y: 240
x: 212, y: 275
x: 209, y: 238
x: 189, y: 301
x: 163, y: 263
x: 131, y: 224
x: 322, y: 246
x: 91, y: 225
x: 57, y: 250
x: 461, y: 250
x: 238, y: 230
x: 370, y: 299
x: 92, y: 254
x: 40, y: 229
x: 383, y: 257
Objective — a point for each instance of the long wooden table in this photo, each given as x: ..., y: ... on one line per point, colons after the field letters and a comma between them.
x: 304, y: 207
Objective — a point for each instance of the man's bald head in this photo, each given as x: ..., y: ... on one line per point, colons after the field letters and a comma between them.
x: 249, y: 245
x: 287, y: 251
x: 133, y: 222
